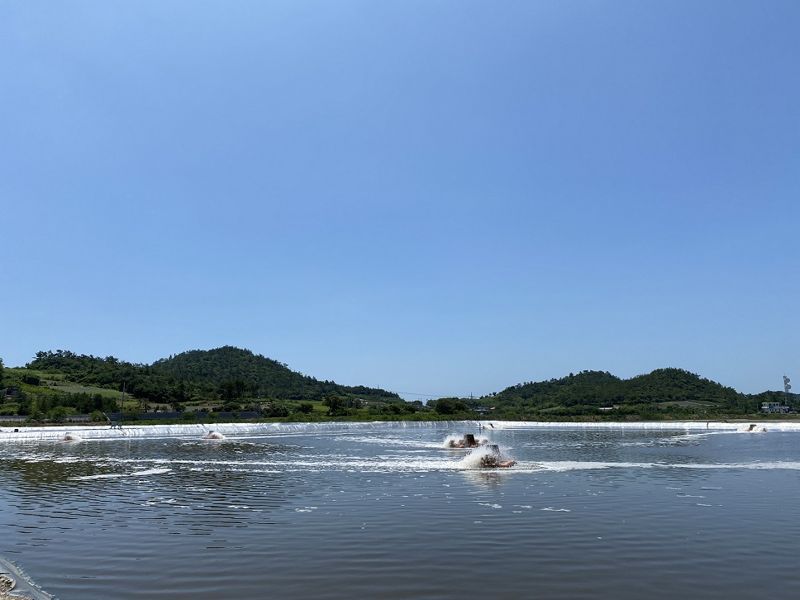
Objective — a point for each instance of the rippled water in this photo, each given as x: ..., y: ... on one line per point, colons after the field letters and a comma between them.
x: 381, y: 511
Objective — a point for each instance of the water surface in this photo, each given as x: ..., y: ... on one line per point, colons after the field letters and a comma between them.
x: 384, y: 511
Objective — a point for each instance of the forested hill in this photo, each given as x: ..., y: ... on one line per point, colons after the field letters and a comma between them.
x: 259, y: 375
x: 230, y: 378
x: 227, y: 373
x: 593, y: 389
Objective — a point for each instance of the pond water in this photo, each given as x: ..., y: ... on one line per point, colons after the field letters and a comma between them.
x: 386, y: 511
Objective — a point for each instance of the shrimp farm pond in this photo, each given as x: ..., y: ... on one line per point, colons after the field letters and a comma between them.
x: 401, y: 510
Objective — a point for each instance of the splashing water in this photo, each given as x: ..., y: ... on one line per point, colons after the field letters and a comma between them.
x: 451, y: 440
x: 478, y: 458
x: 456, y: 441
x: 752, y: 428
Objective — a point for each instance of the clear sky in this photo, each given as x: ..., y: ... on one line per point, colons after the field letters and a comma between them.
x: 435, y: 197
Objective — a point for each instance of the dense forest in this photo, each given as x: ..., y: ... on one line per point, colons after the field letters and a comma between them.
x: 670, y: 392
x: 226, y: 374
x: 58, y: 383
x: 236, y: 383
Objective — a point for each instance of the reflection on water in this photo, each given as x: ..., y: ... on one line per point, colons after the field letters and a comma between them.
x: 384, y: 511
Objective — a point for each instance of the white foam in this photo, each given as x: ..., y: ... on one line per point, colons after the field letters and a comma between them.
x: 196, y: 430
x: 474, y: 460
x: 563, y: 466
x: 451, y: 440
x: 142, y: 473
x: 793, y: 426
x: 752, y: 428
x: 390, y: 441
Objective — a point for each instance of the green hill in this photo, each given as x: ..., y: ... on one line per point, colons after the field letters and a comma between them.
x: 230, y: 379
x: 588, y: 387
x: 221, y: 374
x: 673, y: 392
x: 237, y: 372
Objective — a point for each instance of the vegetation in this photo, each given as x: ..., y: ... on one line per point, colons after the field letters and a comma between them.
x: 225, y: 374
x: 29, y: 393
x: 663, y: 393
x: 223, y: 380
x: 229, y: 383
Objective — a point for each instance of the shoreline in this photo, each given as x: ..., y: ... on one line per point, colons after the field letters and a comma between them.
x: 15, y: 585
x: 77, y: 433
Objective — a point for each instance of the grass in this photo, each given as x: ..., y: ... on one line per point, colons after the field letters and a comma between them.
x: 689, y: 404
x: 54, y: 381
x: 76, y: 388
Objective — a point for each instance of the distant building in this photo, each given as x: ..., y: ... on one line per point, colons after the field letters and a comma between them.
x: 774, y: 408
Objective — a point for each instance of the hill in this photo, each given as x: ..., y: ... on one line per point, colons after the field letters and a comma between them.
x: 224, y: 374
x: 234, y: 372
x: 229, y: 379
x: 670, y: 392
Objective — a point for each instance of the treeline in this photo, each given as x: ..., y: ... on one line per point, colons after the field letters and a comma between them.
x: 664, y: 392
x: 600, y: 388
x: 234, y: 373
x: 232, y: 379
x: 55, y: 407
x: 224, y: 374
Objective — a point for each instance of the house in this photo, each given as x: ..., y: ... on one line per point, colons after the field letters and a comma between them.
x: 774, y: 408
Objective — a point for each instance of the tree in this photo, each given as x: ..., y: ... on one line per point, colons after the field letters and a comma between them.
x: 58, y: 414
x: 336, y: 406
x: 31, y: 380
x: 449, y: 406
x: 276, y: 409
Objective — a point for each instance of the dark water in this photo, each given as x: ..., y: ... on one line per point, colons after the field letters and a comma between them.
x: 386, y: 512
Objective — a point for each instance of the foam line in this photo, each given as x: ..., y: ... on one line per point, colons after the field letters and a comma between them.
x: 142, y: 473
x: 197, y: 430
x: 696, y: 426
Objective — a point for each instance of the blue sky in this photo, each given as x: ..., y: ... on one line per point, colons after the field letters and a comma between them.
x: 433, y: 197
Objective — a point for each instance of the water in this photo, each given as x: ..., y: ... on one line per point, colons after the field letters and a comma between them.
x: 384, y: 511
